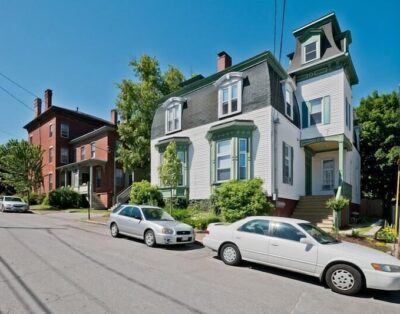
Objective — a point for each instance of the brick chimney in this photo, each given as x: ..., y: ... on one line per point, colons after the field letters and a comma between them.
x: 224, y: 61
x: 114, y: 116
x: 48, y: 99
x: 37, y: 104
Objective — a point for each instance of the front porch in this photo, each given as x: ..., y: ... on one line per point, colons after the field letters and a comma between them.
x: 327, y: 166
x: 85, y: 178
x: 328, y: 173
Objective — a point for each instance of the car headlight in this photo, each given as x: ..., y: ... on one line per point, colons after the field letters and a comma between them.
x: 386, y: 268
x: 167, y: 231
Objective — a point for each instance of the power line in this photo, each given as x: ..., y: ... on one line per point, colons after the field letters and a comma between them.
x: 283, y: 21
x: 16, y: 98
x: 19, y: 85
x: 6, y: 133
x: 274, y: 25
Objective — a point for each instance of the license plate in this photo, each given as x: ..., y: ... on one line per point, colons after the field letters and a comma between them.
x: 184, y: 239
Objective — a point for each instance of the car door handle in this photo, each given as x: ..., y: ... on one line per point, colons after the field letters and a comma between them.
x: 274, y: 244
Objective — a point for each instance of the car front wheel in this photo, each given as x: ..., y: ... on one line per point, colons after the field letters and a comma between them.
x: 150, y: 238
x: 230, y: 254
x: 114, y: 230
x: 344, y: 279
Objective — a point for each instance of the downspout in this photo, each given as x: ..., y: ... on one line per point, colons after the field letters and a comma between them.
x: 275, y: 121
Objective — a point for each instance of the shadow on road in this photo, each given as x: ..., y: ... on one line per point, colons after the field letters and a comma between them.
x: 176, y: 247
x: 17, y: 212
x: 32, y: 228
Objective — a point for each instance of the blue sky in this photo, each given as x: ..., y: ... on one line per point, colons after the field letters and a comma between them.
x: 81, y: 49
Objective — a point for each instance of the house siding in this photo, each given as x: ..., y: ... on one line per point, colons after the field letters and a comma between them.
x: 330, y: 84
x: 290, y: 134
x: 199, y: 160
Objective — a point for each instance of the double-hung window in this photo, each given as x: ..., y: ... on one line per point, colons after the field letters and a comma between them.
x: 93, y: 150
x: 224, y: 160
x: 287, y: 161
x: 64, y: 128
x: 310, y: 52
x: 83, y: 153
x: 64, y: 155
x: 51, y: 130
x: 173, y: 117
x: 316, y: 111
x: 348, y: 114
x: 50, y: 154
x: 243, y: 158
x: 229, y: 94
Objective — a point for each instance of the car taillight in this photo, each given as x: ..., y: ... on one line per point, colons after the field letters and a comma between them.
x: 207, y: 232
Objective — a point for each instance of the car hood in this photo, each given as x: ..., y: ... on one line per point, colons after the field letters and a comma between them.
x: 14, y: 203
x: 346, y: 249
x: 171, y: 224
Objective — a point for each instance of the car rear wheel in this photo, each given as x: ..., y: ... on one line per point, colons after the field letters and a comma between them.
x: 114, y: 230
x: 344, y: 279
x: 150, y: 238
x: 230, y: 254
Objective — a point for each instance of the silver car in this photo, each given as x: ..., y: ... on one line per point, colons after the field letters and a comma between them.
x: 12, y: 203
x: 152, y: 224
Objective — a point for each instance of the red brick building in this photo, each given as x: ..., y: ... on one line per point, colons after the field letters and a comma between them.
x: 79, y: 151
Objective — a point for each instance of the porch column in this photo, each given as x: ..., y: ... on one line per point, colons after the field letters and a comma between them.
x: 341, y: 162
x: 90, y: 187
x: 65, y: 179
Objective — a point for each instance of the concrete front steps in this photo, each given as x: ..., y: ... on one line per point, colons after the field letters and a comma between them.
x: 313, y: 209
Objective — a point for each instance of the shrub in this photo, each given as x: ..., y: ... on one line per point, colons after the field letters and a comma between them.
x: 238, y: 199
x: 64, y: 198
x: 387, y: 234
x: 45, y: 201
x: 36, y: 198
x: 143, y: 193
x: 181, y: 214
x: 201, y: 220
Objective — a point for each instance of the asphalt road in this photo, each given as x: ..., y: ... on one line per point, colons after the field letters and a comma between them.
x: 56, y: 264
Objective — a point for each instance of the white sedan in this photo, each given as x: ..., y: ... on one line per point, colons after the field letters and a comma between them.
x: 297, y: 245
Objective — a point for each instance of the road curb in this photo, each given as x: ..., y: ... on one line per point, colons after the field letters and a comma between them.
x: 94, y: 222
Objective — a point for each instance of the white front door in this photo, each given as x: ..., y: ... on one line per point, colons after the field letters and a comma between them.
x: 328, y: 174
x: 286, y: 251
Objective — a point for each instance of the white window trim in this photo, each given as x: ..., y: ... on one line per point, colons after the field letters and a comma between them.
x: 51, y: 149
x: 61, y: 128
x: 245, y: 156
x: 312, y: 39
x: 228, y: 80
x: 51, y: 130
x: 167, y: 111
x: 322, y: 173
x: 221, y: 155
x: 92, y: 155
x: 309, y: 111
x: 290, y: 91
x: 84, y: 152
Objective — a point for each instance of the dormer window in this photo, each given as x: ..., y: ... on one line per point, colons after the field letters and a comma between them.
x: 173, y: 114
x: 229, y: 94
x: 288, y: 87
x: 310, y: 49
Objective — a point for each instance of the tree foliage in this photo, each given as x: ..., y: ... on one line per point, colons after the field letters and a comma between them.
x: 143, y: 193
x: 238, y: 199
x: 170, y: 170
x: 136, y: 104
x: 379, y: 118
x: 21, y: 166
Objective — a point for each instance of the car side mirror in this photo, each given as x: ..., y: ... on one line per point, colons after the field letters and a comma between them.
x: 138, y: 217
x: 306, y: 241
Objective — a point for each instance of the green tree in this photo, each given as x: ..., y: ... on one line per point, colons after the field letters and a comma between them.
x: 337, y: 205
x: 21, y: 166
x: 136, y: 104
x: 379, y: 118
x: 170, y: 170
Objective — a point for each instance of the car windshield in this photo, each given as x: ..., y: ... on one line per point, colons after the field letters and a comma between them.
x: 12, y: 199
x: 318, y: 234
x: 151, y: 213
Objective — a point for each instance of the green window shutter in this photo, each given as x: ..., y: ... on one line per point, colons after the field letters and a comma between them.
x: 304, y: 115
x: 327, y: 110
x: 291, y: 165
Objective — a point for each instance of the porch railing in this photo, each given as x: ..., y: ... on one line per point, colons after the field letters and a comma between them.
x: 81, y: 189
x: 124, y: 195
